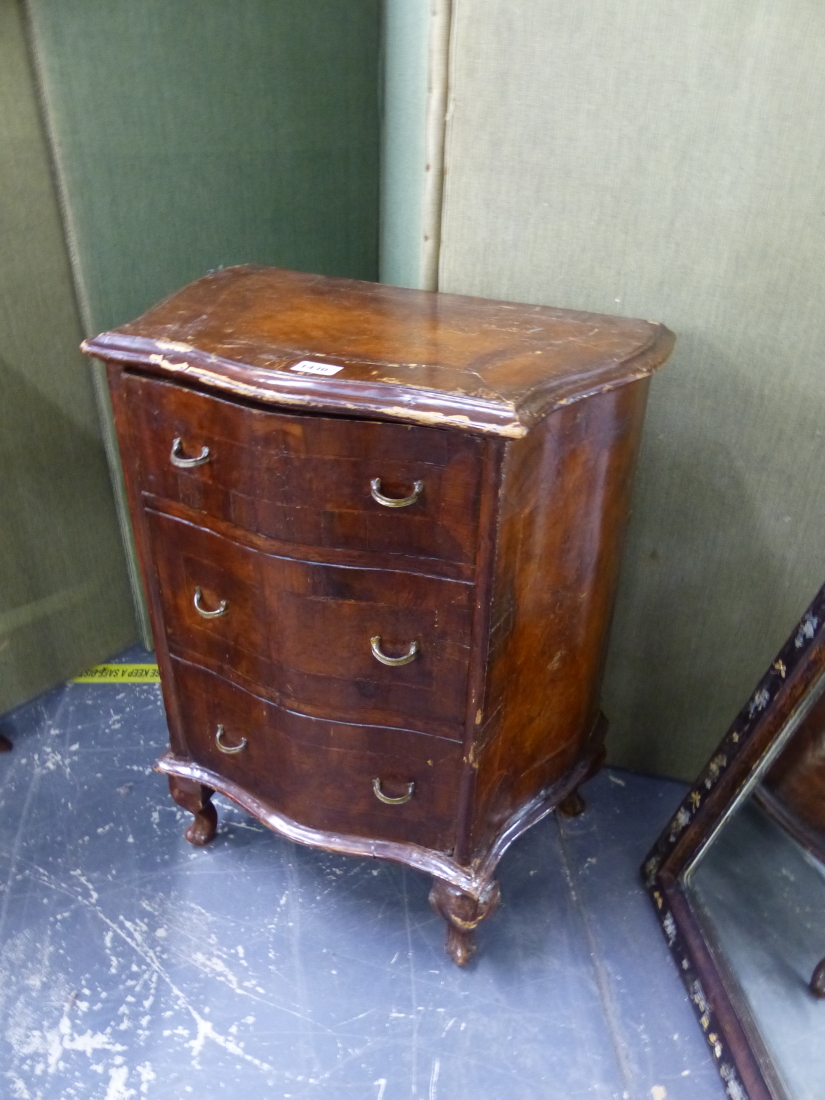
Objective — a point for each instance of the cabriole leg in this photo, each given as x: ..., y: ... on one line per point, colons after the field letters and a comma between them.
x: 197, y: 799
x: 463, y: 914
x: 574, y: 804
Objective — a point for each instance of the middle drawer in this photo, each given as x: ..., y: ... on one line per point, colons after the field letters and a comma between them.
x: 325, y: 640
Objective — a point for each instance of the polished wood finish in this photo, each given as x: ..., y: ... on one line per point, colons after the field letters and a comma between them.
x: 417, y: 682
x: 443, y: 359
x: 563, y: 505
x: 463, y: 914
x: 306, y: 481
x: 320, y: 772
x: 299, y: 632
x: 197, y: 799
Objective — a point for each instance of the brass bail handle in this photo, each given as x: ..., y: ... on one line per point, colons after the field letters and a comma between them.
x: 411, y: 654
x: 177, y: 457
x: 395, y: 502
x: 203, y: 612
x: 228, y: 749
x: 385, y: 798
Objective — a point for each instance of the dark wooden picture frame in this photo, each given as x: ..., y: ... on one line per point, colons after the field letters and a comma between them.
x: 781, y: 697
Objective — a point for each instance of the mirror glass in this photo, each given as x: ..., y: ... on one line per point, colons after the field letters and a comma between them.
x: 757, y: 889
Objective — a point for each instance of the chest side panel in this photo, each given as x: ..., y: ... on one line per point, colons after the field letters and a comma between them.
x: 563, y: 508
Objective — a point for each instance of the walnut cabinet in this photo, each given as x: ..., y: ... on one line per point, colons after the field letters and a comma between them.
x: 379, y: 532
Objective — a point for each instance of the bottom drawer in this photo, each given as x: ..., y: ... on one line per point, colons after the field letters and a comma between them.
x: 319, y: 773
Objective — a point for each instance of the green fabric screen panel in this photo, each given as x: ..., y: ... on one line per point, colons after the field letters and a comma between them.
x: 64, y: 593
x: 666, y: 160
x: 193, y: 135
x: 415, y: 54
x: 405, y: 57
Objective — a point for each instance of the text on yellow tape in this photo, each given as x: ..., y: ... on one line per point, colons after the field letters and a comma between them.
x: 115, y: 674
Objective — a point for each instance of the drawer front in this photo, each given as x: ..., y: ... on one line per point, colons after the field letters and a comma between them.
x: 307, y: 480
x: 321, y: 774
x: 301, y: 633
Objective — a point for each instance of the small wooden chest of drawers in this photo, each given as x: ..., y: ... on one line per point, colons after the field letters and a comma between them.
x: 379, y: 531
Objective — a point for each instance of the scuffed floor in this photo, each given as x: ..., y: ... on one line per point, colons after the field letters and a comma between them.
x: 132, y: 965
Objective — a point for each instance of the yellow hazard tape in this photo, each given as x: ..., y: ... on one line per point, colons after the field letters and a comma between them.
x: 116, y: 674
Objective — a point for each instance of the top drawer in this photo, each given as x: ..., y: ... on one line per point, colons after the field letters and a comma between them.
x: 309, y: 480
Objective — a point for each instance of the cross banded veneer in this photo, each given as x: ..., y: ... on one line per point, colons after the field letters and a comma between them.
x: 380, y: 531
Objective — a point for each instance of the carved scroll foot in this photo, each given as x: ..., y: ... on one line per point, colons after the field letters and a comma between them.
x: 459, y: 945
x: 197, y: 799
x: 817, y: 986
x: 463, y: 914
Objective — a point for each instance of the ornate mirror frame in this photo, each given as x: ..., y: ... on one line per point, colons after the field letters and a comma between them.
x: 782, y: 697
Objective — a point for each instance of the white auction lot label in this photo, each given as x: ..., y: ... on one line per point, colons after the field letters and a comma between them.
x: 306, y: 366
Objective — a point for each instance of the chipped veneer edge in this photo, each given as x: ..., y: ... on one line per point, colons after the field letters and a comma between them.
x: 521, y: 416
x: 512, y: 429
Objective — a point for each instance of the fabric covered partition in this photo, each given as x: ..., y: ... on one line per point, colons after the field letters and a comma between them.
x: 665, y: 160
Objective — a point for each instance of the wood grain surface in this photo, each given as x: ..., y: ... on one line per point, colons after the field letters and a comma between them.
x: 467, y: 363
x: 564, y: 504
x: 305, y: 480
x: 321, y: 773
x: 299, y: 632
x: 280, y: 580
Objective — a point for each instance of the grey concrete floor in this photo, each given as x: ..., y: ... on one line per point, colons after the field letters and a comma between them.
x: 132, y: 965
